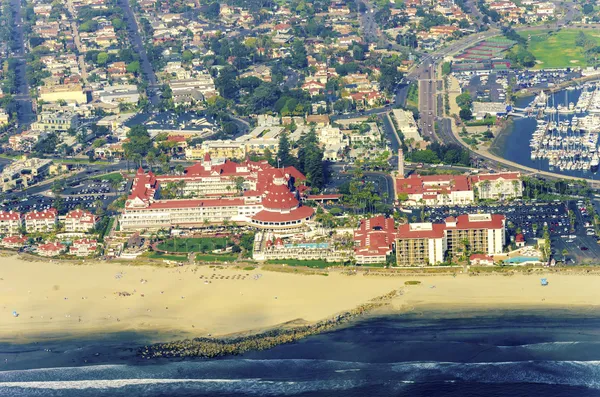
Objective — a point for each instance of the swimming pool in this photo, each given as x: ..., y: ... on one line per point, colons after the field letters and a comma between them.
x: 521, y: 259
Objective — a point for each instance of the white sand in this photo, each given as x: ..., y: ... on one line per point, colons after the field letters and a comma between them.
x: 37, y: 291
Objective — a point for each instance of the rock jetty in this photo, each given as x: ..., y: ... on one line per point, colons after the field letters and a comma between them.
x: 212, y: 347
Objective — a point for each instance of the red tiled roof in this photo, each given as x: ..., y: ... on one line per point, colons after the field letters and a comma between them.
x: 295, y: 215
x: 481, y: 257
x: 279, y: 197
x: 519, y: 238
x: 85, y: 241
x: 9, y: 216
x: 51, y: 247
x: 432, y: 184
x: 14, y: 239
x: 82, y: 215
x: 494, y: 177
x: 50, y: 213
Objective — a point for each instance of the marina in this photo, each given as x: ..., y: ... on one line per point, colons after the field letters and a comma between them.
x: 563, y: 137
x: 567, y: 141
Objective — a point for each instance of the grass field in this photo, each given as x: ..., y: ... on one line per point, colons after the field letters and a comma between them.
x: 115, y: 176
x: 558, y: 50
x: 215, y: 258
x: 158, y: 255
x: 193, y: 244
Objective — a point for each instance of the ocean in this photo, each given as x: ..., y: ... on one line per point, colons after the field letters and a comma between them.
x: 547, y: 353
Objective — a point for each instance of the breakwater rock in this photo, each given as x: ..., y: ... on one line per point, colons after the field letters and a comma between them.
x: 212, y: 347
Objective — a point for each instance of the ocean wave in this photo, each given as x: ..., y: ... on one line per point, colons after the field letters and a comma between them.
x: 568, y: 373
x: 241, y: 386
x: 295, y: 376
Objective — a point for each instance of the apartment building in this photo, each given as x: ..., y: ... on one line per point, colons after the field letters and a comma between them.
x: 10, y: 222
x: 41, y: 221
x: 80, y: 221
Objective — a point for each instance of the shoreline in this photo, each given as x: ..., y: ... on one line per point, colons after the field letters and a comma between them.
x: 125, y: 349
x: 127, y: 307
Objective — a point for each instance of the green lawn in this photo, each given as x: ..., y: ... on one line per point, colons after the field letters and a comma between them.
x: 206, y: 244
x: 158, y: 255
x: 558, y: 50
x: 115, y: 176
x: 216, y: 258
x: 412, y: 97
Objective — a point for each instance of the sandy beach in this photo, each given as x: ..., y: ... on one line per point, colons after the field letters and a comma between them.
x: 65, y: 300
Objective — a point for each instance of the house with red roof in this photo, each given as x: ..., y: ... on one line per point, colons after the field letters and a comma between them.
x: 481, y: 260
x: 80, y: 221
x: 41, y: 221
x: 83, y: 247
x: 14, y: 241
x: 520, y: 240
x: 51, y: 249
x: 10, y: 222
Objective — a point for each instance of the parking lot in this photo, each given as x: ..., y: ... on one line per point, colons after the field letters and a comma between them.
x: 39, y: 202
x: 581, y: 244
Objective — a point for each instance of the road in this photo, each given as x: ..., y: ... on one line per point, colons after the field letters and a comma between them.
x: 138, y: 46
x: 428, y: 101
x: 25, y: 113
x: 76, y: 38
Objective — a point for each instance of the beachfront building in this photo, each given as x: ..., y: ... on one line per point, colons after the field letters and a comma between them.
x: 484, y: 233
x: 420, y: 244
x: 80, y: 221
x: 481, y: 260
x: 269, y: 247
x: 435, y: 190
x: 507, y: 185
x: 83, y: 247
x: 13, y: 242
x: 51, y: 249
x: 41, y: 221
x: 11, y: 222
x: 253, y: 193
x: 426, y: 243
x: 374, y: 240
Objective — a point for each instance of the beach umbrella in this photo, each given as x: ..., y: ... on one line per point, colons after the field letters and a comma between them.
x: 15, y: 314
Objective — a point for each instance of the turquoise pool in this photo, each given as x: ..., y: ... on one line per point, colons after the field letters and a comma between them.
x: 521, y: 259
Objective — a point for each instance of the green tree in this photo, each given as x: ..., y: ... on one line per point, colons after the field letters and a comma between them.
x: 284, y: 158
x: 133, y: 67
x: 139, y: 143
x: 187, y: 56
x: 102, y: 59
